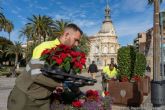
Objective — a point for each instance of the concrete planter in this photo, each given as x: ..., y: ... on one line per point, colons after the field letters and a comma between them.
x: 126, y: 93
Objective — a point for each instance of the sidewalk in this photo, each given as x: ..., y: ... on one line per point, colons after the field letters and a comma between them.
x: 6, y: 85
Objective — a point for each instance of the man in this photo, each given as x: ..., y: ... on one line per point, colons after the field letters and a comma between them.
x: 93, y: 69
x: 109, y: 72
x: 32, y: 89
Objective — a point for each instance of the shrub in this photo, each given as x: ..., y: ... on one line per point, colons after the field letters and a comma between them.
x: 126, y: 60
x: 140, y: 64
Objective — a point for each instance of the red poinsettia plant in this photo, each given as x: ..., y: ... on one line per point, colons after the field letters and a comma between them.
x: 65, y: 58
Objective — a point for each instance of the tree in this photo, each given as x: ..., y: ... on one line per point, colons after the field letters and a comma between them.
x: 2, y: 19
x: 15, y: 49
x: 59, y: 27
x: 84, y: 44
x: 8, y: 27
x: 126, y: 60
x: 140, y: 64
x: 39, y: 27
x: 156, y: 40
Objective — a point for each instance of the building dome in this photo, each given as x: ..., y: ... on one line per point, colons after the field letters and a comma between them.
x: 107, y: 27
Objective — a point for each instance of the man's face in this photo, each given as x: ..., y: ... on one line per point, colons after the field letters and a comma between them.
x: 111, y: 67
x: 72, y: 38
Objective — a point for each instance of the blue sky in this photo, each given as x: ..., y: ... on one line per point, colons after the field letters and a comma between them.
x: 129, y: 16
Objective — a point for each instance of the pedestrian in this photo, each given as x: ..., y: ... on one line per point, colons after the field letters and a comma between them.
x: 32, y: 89
x: 109, y: 72
x: 93, y: 69
x: 148, y: 70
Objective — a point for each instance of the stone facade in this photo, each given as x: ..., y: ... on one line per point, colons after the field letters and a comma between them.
x: 104, y: 45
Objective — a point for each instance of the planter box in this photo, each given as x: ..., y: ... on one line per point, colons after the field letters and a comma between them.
x: 126, y: 93
x: 146, y: 85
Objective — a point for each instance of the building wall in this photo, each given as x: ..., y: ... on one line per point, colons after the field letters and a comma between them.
x: 103, y: 50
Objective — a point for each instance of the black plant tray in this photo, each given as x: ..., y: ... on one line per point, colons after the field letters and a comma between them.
x: 77, y: 80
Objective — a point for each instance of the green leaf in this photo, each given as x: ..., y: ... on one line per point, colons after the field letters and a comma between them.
x: 53, y: 63
x: 67, y: 66
x: 43, y: 57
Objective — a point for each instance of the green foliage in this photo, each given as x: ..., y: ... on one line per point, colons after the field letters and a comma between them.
x: 5, y: 71
x: 140, y: 64
x: 84, y: 44
x: 126, y: 59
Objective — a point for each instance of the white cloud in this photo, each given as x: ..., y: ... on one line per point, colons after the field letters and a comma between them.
x: 85, y: 23
x: 14, y: 11
x: 42, y: 7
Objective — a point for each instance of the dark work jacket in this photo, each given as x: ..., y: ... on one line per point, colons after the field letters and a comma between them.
x: 92, y: 68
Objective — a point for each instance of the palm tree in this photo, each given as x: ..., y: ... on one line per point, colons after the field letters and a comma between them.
x: 3, y: 44
x: 39, y: 27
x: 156, y: 39
x: 59, y: 27
x: 2, y: 19
x: 15, y: 49
x: 8, y: 27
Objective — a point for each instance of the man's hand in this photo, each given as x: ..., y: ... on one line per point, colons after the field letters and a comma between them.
x: 59, y: 89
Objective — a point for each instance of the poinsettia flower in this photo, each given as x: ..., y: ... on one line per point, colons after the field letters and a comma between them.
x: 83, y: 60
x: 76, y: 103
x: 47, y: 51
x: 65, y: 57
x: 106, y: 93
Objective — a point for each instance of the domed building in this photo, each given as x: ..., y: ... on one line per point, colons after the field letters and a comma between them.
x: 104, y: 45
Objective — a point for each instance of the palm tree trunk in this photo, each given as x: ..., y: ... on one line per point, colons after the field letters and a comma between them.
x: 9, y: 35
x: 156, y: 43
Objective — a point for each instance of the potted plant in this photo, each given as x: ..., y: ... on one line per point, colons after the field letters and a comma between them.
x: 139, y: 73
x: 124, y: 91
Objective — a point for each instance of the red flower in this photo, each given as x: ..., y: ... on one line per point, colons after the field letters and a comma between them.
x: 76, y: 104
x: 83, y: 60
x: 57, y: 60
x: 106, y: 93
x: 92, y: 95
x: 47, y: 51
x: 64, y: 57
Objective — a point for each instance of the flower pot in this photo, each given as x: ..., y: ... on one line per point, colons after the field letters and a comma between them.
x: 125, y: 93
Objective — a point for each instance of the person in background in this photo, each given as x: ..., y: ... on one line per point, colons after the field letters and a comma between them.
x: 32, y: 89
x: 109, y: 72
x: 93, y: 69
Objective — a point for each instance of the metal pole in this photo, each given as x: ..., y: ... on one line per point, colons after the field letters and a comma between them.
x: 162, y: 62
x: 162, y: 18
x: 156, y: 43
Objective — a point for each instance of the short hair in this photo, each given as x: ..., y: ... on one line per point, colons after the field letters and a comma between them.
x: 112, y: 65
x: 74, y: 27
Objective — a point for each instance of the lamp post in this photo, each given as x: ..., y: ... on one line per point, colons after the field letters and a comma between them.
x: 158, y: 84
x: 162, y: 24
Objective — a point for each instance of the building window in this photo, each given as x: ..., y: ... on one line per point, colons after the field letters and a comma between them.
x: 96, y: 49
x: 105, y: 49
x: 112, y: 49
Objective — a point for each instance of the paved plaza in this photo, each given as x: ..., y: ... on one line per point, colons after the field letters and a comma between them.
x: 6, y: 85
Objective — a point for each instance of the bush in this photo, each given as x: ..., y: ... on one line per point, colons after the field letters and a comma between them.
x: 126, y: 60
x: 5, y: 71
x: 140, y: 64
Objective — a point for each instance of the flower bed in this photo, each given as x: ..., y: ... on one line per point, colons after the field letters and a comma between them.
x: 90, y: 101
